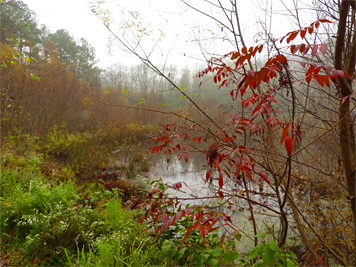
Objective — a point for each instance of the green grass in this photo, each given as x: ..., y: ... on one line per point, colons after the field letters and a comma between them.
x: 50, y: 223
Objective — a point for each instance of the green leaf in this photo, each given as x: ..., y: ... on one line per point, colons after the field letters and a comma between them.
x: 180, y: 254
x: 279, y: 263
x: 4, y: 65
x: 231, y: 256
x: 166, y: 246
x: 214, y: 238
x: 206, y: 256
x: 216, y: 252
x: 172, y: 253
x: 258, y: 263
x: 200, y: 260
x: 261, y: 234
x: 232, y: 243
x: 292, y: 254
x: 213, y: 262
x: 269, y: 256
x: 273, y: 245
x: 256, y: 251
x: 290, y: 263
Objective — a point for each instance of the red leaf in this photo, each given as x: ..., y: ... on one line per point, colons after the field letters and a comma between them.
x: 221, y: 180
x: 293, y: 49
x: 244, y: 50
x: 325, y: 20
x: 264, y: 177
x: 177, y: 185
x: 284, y: 133
x: 302, y: 48
x: 345, y: 98
x: 303, y: 33
x: 248, y: 173
x: 323, y: 48
x: 156, y: 217
x: 308, y: 76
x: 195, y: 138
x: 314, y: 50
x: 289, y: 144
x: 164, y: 218
x: 202, y: 230
x: 292, y: 37
x: 220, y: 194
x: 186, y: 136
x: 207, y: 176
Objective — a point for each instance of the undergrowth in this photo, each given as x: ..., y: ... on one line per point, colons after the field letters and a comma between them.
x: 54, y: 223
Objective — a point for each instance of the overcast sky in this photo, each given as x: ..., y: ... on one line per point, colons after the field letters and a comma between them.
x: 168, y: 16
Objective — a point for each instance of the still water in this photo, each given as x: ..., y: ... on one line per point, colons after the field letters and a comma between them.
x: 194, y: 187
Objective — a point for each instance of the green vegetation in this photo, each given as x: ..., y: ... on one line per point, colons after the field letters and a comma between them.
x: 48, y: 222
x: 49, y: 219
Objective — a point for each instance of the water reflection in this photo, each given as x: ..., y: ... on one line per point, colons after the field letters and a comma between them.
x: 192, y: 177
x: 190, y: 174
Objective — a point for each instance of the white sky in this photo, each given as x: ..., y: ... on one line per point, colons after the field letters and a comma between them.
x: 169, y: 16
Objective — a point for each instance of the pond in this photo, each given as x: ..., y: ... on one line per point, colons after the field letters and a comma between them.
x: 194, y: 188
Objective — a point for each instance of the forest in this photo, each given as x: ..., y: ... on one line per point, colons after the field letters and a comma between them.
x: 246, y: 159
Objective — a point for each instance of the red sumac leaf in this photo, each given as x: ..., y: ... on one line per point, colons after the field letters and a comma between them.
x: 348, y: 76
x: 285, y: 132
x: 325, y: 21
x: 264, y: 177
x: 195, y: 138
x: 303, y: 33
x: 306, y: 49
x: 345, y: 98
x: 323, y: 48
x: 302, y: 48
x: 220, y: 194
x: 177, y: 185
x: 235, y: 55
x: 207, y: 176
x: 221, y: 180
x: 314, y: 50
x: 244, y: 50
x: 156, y: 217
x: 186, y: 136
x: 292, y: 37
x: 248, y: 173
x: 289, y: 144
x: 164, y: 218
x: 202, y: 230
x: 308, y: 76
x: 293, y: 49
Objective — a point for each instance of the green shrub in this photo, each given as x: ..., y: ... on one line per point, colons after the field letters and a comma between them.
x: 270, y: 254
x: 81, y: 152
